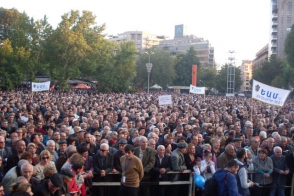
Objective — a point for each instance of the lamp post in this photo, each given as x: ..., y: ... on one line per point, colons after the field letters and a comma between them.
x: 149, y: 67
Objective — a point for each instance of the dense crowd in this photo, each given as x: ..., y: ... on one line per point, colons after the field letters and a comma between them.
x: 59, y: 143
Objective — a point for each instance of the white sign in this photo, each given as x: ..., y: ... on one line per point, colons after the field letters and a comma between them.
x: 44, y: 86
x: 164, y: 100
x: 197, y: 90
x: 269, y: 94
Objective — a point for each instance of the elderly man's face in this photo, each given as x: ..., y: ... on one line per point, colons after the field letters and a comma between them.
x: 27, y: 172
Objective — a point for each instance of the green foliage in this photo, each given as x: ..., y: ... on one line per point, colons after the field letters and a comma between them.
x: 183, y: 67
x: 162, y: 72
x: 206, y: 75
x: 221, y: 79
x: 271, y: 72
x: 289, y: 47
x: 7, y: 18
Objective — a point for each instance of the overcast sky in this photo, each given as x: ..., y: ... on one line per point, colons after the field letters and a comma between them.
x: 239, y: 25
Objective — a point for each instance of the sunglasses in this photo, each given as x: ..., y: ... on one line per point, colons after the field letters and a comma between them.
x: 103, y: 150
x: 98, y: 135
x: 45, y: 158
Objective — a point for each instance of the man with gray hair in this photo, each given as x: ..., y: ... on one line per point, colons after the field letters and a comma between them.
x: 26, y: 171
x: 279, y: 172
x: 50, y: 146
x: 103, y: 164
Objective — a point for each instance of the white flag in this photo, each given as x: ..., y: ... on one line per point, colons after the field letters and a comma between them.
x: 43, y: 86
x: 164, y: 100
x: 197, y: 90
x: 269, y: 94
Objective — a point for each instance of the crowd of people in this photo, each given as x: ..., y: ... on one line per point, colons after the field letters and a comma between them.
x: 59, y: 143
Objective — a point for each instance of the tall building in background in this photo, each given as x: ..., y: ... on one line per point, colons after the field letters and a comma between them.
x: 260, y: 57
x: 246, y: 75
x: 182, y: 43
x: 282, y: 18
x: 142, y: 39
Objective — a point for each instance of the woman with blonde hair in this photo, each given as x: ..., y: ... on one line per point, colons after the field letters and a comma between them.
x: 190, y: 156
x: 45, y: 158
x: 21, y: 188
x: 32, y: 149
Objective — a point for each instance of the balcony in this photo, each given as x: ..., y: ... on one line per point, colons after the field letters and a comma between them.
x: 274, y: 24
x: 274, y: 37
x: 274, y: 45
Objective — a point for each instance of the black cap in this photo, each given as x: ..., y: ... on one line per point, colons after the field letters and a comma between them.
x: 182, y: 145
x: 237, y: 139
x: 62, y: 142
x: 65, y: 116
x: 67, y: 173
x: 56, y: 180
x: 122, y: 141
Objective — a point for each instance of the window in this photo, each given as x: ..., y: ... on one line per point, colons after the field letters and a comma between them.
x: 289, y: 22
x: 289, y: 5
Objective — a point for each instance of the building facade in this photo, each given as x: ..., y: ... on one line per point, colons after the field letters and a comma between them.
x: 260, y: 57
x: 282, y: 18
x: 142, y: 39
x: 246, y: 75
x: 183, y: 42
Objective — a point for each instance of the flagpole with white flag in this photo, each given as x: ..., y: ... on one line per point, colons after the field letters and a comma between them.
x: 268, y: 94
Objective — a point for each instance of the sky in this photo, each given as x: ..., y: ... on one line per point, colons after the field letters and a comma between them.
x: 242, y: 26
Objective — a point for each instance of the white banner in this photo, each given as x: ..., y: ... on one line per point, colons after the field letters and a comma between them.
x: 269, y: 94
x: 44, y: 86
x: 164, y: 100
x: 197, y: 90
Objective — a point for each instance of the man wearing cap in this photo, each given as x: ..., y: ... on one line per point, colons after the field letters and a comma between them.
x: 237, y: 142
x: 50, y: 187
x: 67, y: 176
x: 62, y: 147
x: 178, y: 163
x: 118, y: 154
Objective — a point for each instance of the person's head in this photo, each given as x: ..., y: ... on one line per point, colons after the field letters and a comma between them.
x: 55, y: 182
x: 45, y: 157
x: 152, y: 143
x: 241, y: 154
x: 270, y: 142
x: 27, y: 170
x: 48, y: 171
x: 143, y: 142
x: 262, y: 153
x: 104, y: 149
x: 31, y: 148
x: 233, y: 166
x: 78, y: 166
x: 35, y: 138
x: 197, y: 163
x: 67, y: 175
x: 182, y: 147
x: 278, y: 151
x: 62, y: 145
x: 1, y: 190
x: 230, y: 149
x: 27, y: 156
x: 191, y: 148
x: 2, y: 142
x: 161, y: 150
x: 50, y: 146
x: 20, y: 146
x: 21, y: 188
x: 129, y: 151
x: 83, y: 150
x: 283, y: 141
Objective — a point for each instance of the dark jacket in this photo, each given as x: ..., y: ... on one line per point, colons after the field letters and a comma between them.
x: 12, y: 161
x: 100, y: 163
x: 43, y: 190
x: 116, y: 159
x: 148, y: 160
x: 165, y: 163
x: 279, y: 164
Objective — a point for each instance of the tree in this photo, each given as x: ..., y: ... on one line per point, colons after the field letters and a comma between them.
x: 221, y: 79
x: 289, y: 47
x: 207, y: 75
x: 73, y: 45
x: 118, y: 70
x: 7, y: 18
x: 162, y: 72
x: 269, y: 70
x: 183, y: 67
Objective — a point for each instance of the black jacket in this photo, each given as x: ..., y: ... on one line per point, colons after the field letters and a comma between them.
x: 165, y: 163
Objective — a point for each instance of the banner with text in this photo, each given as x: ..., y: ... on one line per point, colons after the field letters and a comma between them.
x: 269, y: 94
x: 197, y: 90
x: 164, y: 100
x: 44, y: 86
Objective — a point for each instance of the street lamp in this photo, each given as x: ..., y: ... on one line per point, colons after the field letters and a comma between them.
x: 149, y: 67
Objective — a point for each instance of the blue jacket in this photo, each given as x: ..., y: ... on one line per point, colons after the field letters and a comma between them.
x: 226, y: 187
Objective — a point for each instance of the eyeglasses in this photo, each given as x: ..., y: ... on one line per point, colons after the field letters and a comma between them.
x: 45, y: 158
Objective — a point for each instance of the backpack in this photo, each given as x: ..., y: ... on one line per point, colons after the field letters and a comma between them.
x: 210, y: 186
